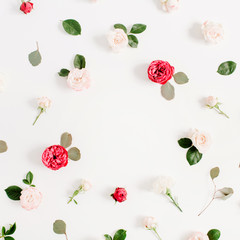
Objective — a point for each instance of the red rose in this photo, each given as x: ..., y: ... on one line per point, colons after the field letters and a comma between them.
x: 120, y: 195
x: 160, y: 71
x: 55, y: 157
x: 26, y: 7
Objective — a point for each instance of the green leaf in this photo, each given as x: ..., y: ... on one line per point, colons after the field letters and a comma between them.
x: 79, y: 61
x: 72, y: 27
x: 214, y: 172
x: 11, y: 230
x: 3, y: 231
x: 35, y: 58
x: 180, y: 78
x: 227, y: 68
x: 13, y: 192
x: 75, y: 201
x: 29, y: 177
x: 107, y: 237
x: 138, y: 28
x: 214, y: 234
x: 120, y: 235
x: 185, y: 142
x: 132, y: 41
x: 226, y: 193
x: 74, y: 154
x: 66, y: 140
x: 26, y: 181
x: 167, y: 91
x: 193, y: 155
x: 121, y: 26
x: 3, y: 146
x: 9, y: 238
x: 59, y: 227
x: 63, y: 72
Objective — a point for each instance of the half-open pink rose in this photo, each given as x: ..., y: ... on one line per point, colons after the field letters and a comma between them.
x: 160, y: 71
x: 55, y: 157
x: 30, y: 198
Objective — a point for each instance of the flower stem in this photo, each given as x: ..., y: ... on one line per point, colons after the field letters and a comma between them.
x: 173, y: 200
x: 155, y: 231
x: 220, y: 111
x: 38, y: 116
x: 66, y: 236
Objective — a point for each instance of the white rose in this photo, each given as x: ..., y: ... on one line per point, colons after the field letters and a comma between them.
x: 85, y: 185
x: 44, y: 102
x: 211, y: 101
x: 162, y: 184
x: 30, y: 198
x: 201, y: 140
x: 212, y: 32
x: 118, y: 39
x: 150, y: 223
x: 78, y: 79
x: 170, y: 5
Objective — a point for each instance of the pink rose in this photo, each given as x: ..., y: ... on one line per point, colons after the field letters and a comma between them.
x: 212, y: 32
x: 78, y: 79
x: 201, y: 140
x: 170, y: 5
x: 30, y: 198
x: 160, y: 71
x: 199, y: 236
x: 211, y: 101
x: 150, y: 223
x: 117, y: 39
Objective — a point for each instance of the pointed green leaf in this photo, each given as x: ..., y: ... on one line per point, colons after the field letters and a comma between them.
x: 167, y: 91
x: 180, y: 78
x: 66, y: 140
x: 74, y: 154
x: 185, y: 142
x: 227, y: 68
x: 107, y: 237
x: 72, y: 27
x: 63, y: 72
x: 132, y: 41
x: 29, y: 177
x: 214, y: 172
x: 13, y: 192
x: 138, y: 28
x: 3, y: 146
x: 8, y: 238
x: 214, y: 234
x: 35, y: 58
x: 120, y: 234
x: 121, y: 26
x: 11, y: 230
x: 26, y: 182
x: 79, y: 61
x: 193, y: 156
x: 59, y: 227
x: 3, y: 231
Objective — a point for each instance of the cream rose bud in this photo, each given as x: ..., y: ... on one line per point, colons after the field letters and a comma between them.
x: 201, y: 140
x: 86, y: 185
x: 212, y: 32
x: 78, y: 79
x: 199, y: 236
x: 150, y: 223
x: 118, y: 39
x: 30, y: 198
x: 170, y: 5
x: 44, y: 102
x: 162, y: 184
x: 211, y: 101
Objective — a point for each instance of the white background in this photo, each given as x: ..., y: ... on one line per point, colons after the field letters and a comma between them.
x: 126, y: 131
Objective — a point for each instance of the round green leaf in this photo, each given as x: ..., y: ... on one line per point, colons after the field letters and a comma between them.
x: 227, y: 68
x: 35, y: 58
x: 8, y: 238
x: 214, y: 172
x: 63, y: 72
x: 185, y: 142
x: 79, y: 61
x: 132, y: 41
x: 66, y: 140
x: 138, y: 28
x: 180, y: 78
x: 72, y: 27
x: 74, y: 154
x: 121, y: 26
x: 214, y: 234
x: 167, y: 91
x: 193, y: 155
x: 3, y: 146
x: 59, y: 227
x: 13, y: 192
x: 120, y: 234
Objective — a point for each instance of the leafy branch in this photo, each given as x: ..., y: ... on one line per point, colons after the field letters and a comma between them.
x: 6, y: 233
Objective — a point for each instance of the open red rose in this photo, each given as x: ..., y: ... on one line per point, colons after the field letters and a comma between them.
x: 55, y: 157
x: 26, y: 7
x: 160, y: 71
x: 120, y: 195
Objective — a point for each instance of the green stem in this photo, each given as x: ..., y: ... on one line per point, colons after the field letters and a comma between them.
x: 42, y: 110
x: 155, y: 231
x: 173, y: 200
x: 220, y: 111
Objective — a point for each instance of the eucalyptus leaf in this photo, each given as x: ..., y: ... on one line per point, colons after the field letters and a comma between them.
x: 35, y: 57
x: 138, y: 28
x: 107, y: 237
x: 79, y: 61
x: 29, y: 177
x: 226, y: 193
x: 59, y: 227
x: 3, y: 146
x: 180, y: 78
x: 66, y: 140
x: 72, y: 27
x: 132, y: 41
x: 167, y: 91
x: 214, y: 172
x: 74, y: 154
x: 214, y: 234
x: 11, y: 230
x: 63, y: 72
x: 227, y: 68
x: 193, y: 156
x: 120, y: 234
x: 13, y: 192
x: 120, y: 26
x: 185, y: 142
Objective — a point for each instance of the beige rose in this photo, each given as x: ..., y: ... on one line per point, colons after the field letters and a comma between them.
x: 199, y: 236
x: 30, y: 198
x: 118, y: 39
x: 212, y: 32
x: 170, y: 5
x: 201, y: 140
x: 44, y: 102
x: 211, y: 101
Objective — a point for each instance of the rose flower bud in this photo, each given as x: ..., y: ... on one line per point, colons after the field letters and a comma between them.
x: 26, y: 7
x: 120, y: 195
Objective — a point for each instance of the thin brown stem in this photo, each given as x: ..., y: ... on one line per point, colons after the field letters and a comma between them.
x: 66, y: 236
x: 37, y: 46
